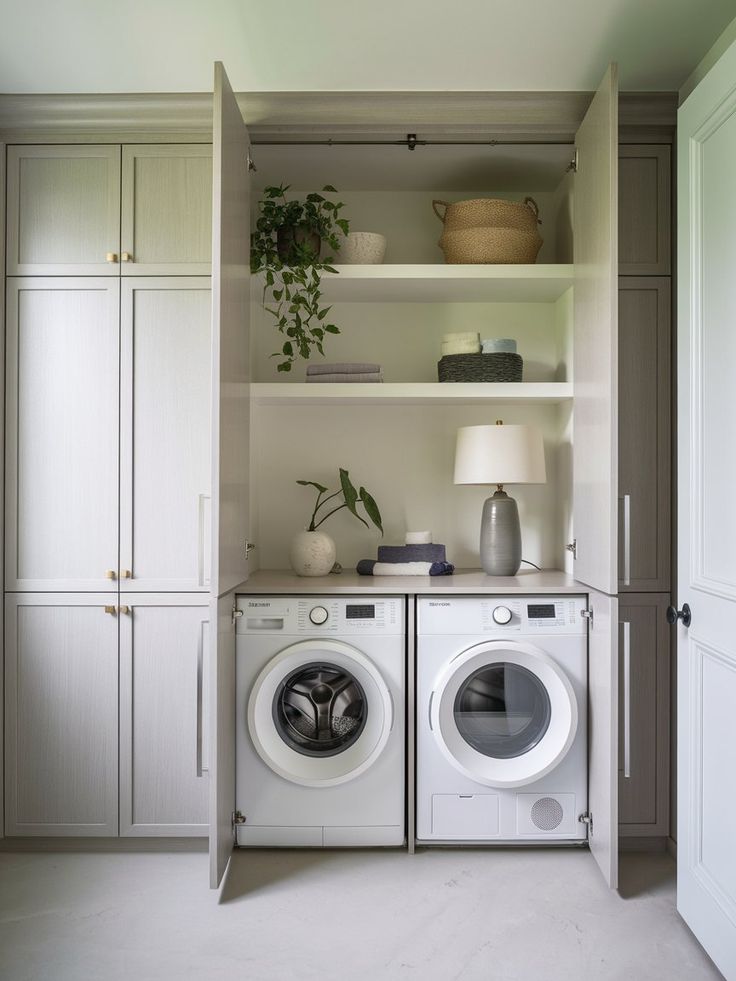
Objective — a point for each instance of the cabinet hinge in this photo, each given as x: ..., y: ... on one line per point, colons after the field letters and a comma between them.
x: 251, y: 166
x: 248, y: 546
x: 235, y: 614
x: 573, y: 165
x: 573, y: 547
x: 587, y: 615
x: 236, y: 818
x: 587, y: 818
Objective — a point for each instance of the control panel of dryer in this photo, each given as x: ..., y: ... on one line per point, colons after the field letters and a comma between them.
x: 502, y: 615
x: 320, y: 616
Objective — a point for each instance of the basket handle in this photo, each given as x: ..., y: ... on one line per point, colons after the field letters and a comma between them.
x: 534, y: 207
x: 446, y: 205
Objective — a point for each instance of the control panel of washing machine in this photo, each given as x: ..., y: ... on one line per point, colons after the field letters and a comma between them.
x: 503, y: 615
x: 320, y: 615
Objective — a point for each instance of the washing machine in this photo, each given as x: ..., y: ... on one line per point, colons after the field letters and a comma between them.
x: 501, y: 719
x: 320, y: 720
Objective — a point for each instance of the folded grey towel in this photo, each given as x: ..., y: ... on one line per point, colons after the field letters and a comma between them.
x: 368, y: 567
x: 411, y: 553
x: 366, y: 376
x: 343, y: 368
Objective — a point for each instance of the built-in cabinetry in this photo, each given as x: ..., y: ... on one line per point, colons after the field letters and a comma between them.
x: 108, y: 499
x: 644, y: 475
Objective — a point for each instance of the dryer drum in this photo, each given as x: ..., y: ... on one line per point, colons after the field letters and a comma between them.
x: 320, y: 709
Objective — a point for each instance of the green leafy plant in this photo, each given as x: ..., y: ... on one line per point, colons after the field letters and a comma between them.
x: 286, y: 248
x: 350, y: 500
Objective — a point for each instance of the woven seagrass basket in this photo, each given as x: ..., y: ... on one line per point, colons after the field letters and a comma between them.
x: 491, y: 245
x: 488, y: 213
x: 501, y: 366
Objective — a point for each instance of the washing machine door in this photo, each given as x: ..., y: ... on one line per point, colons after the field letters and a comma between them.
x: 504, y: 713
x: 320, y: 713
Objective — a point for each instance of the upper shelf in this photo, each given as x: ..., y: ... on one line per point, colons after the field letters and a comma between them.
x: 442, y: 284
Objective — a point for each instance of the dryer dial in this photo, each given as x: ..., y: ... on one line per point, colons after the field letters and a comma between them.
x: 318, y: 615
x: 502, y: 615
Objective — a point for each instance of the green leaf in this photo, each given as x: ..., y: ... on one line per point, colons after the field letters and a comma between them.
x: 371, y: 509
x: 330, y: 269
x: 343, y: 224
x: 331, y: 329
x: 284, y: 366
x: 329, y: 187
x: 288, y: 349
x: 349, y: 492
x: 312, y: 483
x: 323, y: 313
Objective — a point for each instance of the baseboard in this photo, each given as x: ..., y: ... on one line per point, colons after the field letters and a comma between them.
x: 103, y: 845
x: 650, y: 843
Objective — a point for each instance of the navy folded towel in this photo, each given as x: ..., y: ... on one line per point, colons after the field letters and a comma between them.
x: 365, y: 568
x: 412, y: 553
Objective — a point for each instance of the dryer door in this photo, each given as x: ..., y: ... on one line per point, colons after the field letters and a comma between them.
x: 319, y: 713
x: 504, y: 713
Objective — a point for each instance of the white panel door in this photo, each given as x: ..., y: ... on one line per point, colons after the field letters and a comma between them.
x: 166, y: 214
x: 165, y: 434
x: 603, y: 660
x: 61, y: 715
x: 163, y: 699
x: 62, y: 434
x: 706, y: 656
x: 63, y: 216
x: 230, y: 428
x: 595, y: 425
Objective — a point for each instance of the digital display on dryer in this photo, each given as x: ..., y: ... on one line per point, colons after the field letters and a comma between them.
x: 541, y: 611
x: 363, y: 612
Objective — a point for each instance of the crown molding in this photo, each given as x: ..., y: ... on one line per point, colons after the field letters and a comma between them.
x: 274, y: 115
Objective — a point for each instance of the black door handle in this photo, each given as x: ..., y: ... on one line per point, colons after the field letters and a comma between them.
x: 685, y: 614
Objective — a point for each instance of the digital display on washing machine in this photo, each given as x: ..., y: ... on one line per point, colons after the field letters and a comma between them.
x: 541, y: 611
x: 363, y: 612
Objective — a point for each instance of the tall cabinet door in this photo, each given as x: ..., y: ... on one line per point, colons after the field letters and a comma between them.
x: 230, y: 427
x: 163, y: 716
x: 165, y: 512
x: 594, y: 449
x: 61, y: 715
x: 166, y: 211
x: 62, y: 434
x: 63, y: 215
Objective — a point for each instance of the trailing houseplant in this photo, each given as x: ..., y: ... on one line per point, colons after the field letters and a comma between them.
x: 286, y: 248
x: 313, y: 551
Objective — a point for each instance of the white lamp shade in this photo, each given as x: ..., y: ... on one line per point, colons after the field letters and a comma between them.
x: 499, y: 455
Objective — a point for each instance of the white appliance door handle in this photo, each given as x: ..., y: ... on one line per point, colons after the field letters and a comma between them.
x: 627, y: 699
x: 431, y: 697
x: 391, y: 709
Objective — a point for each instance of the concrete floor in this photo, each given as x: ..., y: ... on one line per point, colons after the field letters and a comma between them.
x: 342, y: 916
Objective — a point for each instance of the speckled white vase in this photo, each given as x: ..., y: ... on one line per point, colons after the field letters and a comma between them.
x: 362, y: 248
x: 312, y: 553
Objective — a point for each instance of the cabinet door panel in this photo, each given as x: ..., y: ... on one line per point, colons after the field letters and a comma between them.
x: 644, y: 464
x: 61, y: 715
x: 645, y: 210
x: 62, y: 434
x: 165, y: 434
x: 167, y: 210
x: 63, y: 210
x: 644, y: 691
x: 163, y: 656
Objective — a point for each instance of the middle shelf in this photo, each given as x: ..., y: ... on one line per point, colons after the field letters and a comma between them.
x: 410, y: 393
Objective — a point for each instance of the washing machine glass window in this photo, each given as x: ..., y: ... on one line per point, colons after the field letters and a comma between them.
x: 502, y: 710
x: 320, y: 709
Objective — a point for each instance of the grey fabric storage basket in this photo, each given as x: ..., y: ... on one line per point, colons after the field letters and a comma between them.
x: 500, y: 366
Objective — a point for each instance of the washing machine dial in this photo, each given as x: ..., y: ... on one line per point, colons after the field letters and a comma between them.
x: 502, y: 615
x: 318, y: 615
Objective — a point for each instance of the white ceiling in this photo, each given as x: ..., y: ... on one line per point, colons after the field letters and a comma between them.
x: 84, y: 46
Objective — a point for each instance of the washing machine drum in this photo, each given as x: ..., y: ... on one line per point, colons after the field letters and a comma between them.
x: 504, y: 713
x: 320, y: 713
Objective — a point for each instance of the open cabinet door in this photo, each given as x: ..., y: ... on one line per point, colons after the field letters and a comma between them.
x: 706, y: 523
x: 230, y: 449
x: 595, y: 369
x: 603, y: 655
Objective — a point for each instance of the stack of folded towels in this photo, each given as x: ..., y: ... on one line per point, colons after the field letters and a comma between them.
x: 460, y: 343
x: 418, y: 557
x: 344, y: 372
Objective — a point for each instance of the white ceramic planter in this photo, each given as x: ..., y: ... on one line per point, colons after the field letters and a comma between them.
x: 312, y: 553
x: 362, y: 248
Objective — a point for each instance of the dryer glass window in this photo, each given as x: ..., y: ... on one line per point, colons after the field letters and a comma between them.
x: 320, y: 709
x: 502, y: 710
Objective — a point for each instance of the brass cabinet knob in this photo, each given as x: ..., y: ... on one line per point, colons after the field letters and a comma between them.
x: 110, y: 574
x: 111, y: 257
x: 126, y: 257
x: 111, y: 610
x: 125, y: 609
x: 126, y: 574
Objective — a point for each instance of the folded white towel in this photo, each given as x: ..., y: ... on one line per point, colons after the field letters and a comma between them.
x: 402, y: 568
x: 467, y: 335
x: 418, y: 538
x: 343, y: 368
x: 364, y: 376
x: 450, y: 347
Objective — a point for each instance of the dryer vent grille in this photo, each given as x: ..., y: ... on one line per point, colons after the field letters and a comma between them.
x: 546, y: 814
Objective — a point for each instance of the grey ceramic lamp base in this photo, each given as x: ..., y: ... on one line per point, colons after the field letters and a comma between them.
x: 500, y: 536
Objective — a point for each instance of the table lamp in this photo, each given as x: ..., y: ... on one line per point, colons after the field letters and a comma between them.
x: 499, y: 455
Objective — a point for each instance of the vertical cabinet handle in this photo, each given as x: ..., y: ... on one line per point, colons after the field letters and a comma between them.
x: 200, y: 707
x: 627, y: 540
x: 627, y: 698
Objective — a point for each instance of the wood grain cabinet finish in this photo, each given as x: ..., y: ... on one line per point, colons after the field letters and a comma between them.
x: 63, y: 211
x: 645, y: 210
x: 644, y: 737
x: 163, y: 717
x: 644, y: 434
x: 62, y: 392
x: 61, y: 715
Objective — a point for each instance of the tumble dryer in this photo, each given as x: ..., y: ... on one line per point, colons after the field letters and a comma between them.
x: 501, y: 719
x: 320, y: 720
